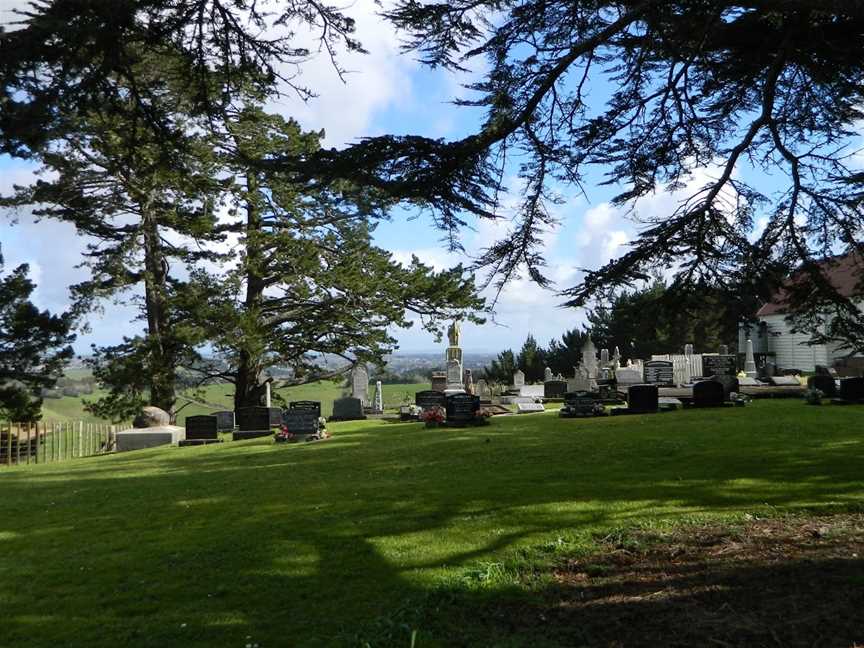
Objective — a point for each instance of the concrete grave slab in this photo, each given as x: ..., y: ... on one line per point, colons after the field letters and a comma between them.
x: 141, y: 438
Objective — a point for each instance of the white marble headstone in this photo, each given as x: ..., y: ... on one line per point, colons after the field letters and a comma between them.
x: 519, y: 379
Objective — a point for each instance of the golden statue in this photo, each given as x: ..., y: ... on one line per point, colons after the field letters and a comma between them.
x: 454, y: 331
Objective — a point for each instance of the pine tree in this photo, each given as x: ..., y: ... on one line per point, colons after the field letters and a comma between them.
x: 34, y: 347
x: 110, y: 178
x: 531, y: 360
x: 501, y: 369
x: 562, y: 356
x: 309, y: 280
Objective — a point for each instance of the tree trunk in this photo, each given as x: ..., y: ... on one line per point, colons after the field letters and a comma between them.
x: 162, y: 369
x: 248, y: 392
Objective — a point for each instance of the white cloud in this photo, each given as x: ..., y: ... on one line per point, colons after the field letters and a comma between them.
x: 373, y: 81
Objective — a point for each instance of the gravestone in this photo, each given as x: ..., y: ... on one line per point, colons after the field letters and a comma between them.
x: 360, y: 384
x: 528, y: 408
x: 719, y: 365
x: 253, y: 418
x: 302, y: 423
x: 724, y: 349
x: 785, y: 381
x: 461, y: 408
x: 626, y: 376
x: 224, y: 420
x: 454, y: 375
x: 708, y: 393
x: 852, y: 389
x: 518, y: 379
x: 347, y: 409
x: 429, y: 399
x: 468, y: 381
x: 547, y: 375
x: 439, y: 381
x: 750, y: 361
x: 730, y: 384
x: 658, y: 372
x: 824, y: 383
x: 253, y: 422
x: 202, y: 428
x: 604, y: 357
x: 482, y: 389
x: 577, y: 403
x: 306, y: 406
x: 378, y: 404
x: 275, y: 416
x: 554, y: 388
x: 643, y: 399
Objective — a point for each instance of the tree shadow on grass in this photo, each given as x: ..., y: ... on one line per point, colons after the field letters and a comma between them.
x: 795, y: 582
x: 308, y: 546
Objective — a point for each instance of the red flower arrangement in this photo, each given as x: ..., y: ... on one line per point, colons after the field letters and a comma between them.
x: 283, y: 435
x: 433, y: 416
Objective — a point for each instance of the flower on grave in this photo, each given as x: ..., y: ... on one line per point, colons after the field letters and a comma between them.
x: 283, y: 434
x: 433, y: 415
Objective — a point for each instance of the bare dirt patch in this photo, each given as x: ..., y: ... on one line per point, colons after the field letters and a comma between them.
x: 775, y: 582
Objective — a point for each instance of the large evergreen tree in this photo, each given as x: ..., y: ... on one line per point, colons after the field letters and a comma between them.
x: 142, y: 211
x: 501, y: 369
x: 34, y: 347
x: 308, y: 280
x: 531, y: 360
x: 565, y: 354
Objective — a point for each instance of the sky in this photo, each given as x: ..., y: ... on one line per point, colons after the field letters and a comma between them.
x: 383, y: 92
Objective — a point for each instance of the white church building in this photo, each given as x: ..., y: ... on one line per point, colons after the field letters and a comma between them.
x: 772, y: 335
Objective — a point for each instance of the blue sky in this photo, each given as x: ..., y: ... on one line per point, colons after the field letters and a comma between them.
x: 385, y: 92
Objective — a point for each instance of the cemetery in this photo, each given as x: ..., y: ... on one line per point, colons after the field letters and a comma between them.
x: 418, y: 324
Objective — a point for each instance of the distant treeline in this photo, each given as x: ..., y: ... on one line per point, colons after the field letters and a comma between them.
x: 640, y: 323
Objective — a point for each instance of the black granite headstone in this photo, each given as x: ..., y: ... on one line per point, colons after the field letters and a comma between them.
x: 429, y: 399
x: 643, y: 398
x: 719, y: 365
x: 254, y: 418
x: 852, y: 389
x: 224, y: 420
x: 347, y: 409
x: 275, y: 416
x: 730, y: 384
x: 578, y: 403
x: 824, y: 383
x: 554, y: 388
x: 300, y: 422
x: 306, y: 406
x: 708, y: 393
x: 658, y: 372
x: 254, y: 422
x: 462, y: 408
x: 202, y: 427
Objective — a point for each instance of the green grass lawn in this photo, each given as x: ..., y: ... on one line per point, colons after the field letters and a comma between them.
x: 386, y: 528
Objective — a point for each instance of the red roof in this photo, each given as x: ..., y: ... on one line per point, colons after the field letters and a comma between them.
x: 844, y: 273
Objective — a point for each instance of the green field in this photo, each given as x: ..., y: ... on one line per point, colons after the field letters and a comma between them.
x: 219, y: 396
x: 387, y: 527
